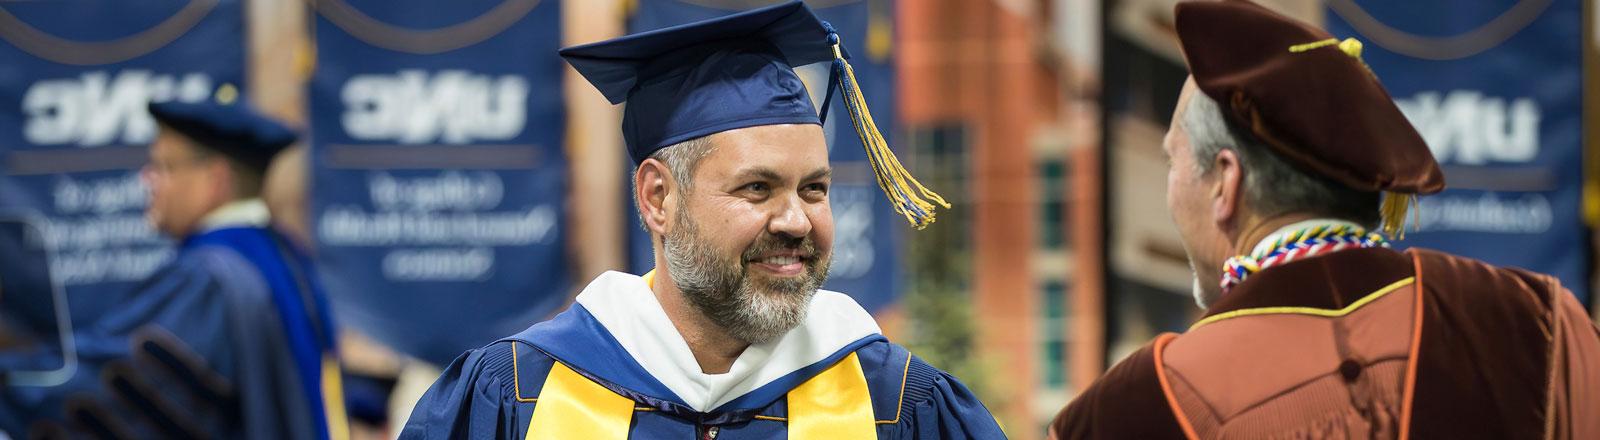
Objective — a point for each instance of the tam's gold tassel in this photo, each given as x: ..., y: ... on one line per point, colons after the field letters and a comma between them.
x: 1395, y: 207
x: 909, y: 197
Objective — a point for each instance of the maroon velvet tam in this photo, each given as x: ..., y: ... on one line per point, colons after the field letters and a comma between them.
x: 1306, y: 94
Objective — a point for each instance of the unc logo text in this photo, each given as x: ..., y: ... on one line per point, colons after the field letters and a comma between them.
x: 450, y: 106
x: 96, y: 109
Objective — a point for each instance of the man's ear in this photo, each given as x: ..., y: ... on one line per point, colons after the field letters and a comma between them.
x: 651, y: 188
x: 1227, y: 187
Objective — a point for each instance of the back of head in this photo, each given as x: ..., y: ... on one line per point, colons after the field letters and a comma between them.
x: 1309, y: 101
x: 1272, y: 186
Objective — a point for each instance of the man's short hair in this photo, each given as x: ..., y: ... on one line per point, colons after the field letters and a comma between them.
x: 248, y: 177
x: 1272, y: 186
x: 681, y: 159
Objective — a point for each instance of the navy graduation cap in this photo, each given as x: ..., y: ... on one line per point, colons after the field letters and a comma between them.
x: 228, y: 127
x: 737, y: 71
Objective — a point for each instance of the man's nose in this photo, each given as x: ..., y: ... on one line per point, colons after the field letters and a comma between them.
x: 791, y: 219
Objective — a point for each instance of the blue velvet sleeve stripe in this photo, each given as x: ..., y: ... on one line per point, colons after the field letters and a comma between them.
x: 884, y: 365
x: 532, y: 367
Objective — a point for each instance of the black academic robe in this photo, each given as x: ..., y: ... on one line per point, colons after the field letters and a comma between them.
x: 229, y: 340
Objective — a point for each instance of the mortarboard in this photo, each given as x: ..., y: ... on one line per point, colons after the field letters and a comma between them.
x: 1310, y: 98
x: 232, y: 129
x: 737, y: 71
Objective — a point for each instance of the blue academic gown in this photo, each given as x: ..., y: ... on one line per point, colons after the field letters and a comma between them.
x: 488, y: 392
x: 232, y: 339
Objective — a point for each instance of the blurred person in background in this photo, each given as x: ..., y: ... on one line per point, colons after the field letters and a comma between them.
x: 232, y: 339
x: 284, y: 188
x: 730, y: 337
x: 1285, y: 155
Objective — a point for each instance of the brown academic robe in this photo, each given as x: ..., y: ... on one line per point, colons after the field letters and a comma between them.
x: 1364, y: 343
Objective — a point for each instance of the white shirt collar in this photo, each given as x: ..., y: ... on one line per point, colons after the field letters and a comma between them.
x: 625, y: 306
x: 1265, y: 245
x: 250, y: 212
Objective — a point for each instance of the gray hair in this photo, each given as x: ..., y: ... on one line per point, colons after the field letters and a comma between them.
x: 681, y: 160
x: 1271, y: 186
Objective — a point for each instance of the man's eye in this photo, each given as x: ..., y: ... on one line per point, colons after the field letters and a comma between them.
x: 757, y: 187
x: 821, y: 188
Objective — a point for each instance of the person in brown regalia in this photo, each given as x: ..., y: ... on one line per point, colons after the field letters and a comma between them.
x: 1285, y: 153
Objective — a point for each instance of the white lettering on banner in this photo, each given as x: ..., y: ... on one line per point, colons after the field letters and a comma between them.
x: 1528, y: 214
x: 853, y: 255
x: 450, y: 106
x: 96, y: 109
x: 450, y: 190
x: 99, y: 233
x: 452, y: 209
x: 1464, y: 127
x: 470, y: 264
x: 103, y: 196
x: 354, y: 226
x: 91, y: 266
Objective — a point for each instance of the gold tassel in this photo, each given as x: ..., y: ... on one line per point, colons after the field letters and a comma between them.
x: 909, y: 197
x: 1395, y: 207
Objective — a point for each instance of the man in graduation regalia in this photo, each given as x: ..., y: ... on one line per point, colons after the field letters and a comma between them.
x: 232, y: 339
x: 1286, y: 153
x: 729, y: 338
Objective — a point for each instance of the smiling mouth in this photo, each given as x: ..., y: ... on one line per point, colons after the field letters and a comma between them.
x: 781, y: 259
x: 784, y: 265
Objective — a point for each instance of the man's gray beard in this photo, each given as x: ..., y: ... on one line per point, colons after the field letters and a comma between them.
x: 752, y: 311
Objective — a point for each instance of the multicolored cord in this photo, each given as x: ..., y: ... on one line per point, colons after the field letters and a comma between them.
x: 1299, y: 244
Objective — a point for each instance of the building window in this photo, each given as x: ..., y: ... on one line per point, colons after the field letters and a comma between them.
x: 1052, y: 204
x: 938, y: 157
x: 1053, y: 337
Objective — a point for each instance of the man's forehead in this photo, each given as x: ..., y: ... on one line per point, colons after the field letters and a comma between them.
x: 772, y: 168
x: 781, y: 148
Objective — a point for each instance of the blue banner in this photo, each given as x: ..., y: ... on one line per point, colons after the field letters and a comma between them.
x: 75, y: 78
x: 439, y: 172
x: 867, y: 231
x: 1495, y: 87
